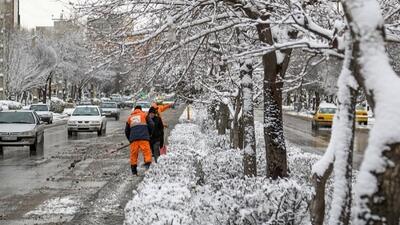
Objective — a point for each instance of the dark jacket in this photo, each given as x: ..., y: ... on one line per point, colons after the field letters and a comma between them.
x: 157, y: 133
x: 138, y: 127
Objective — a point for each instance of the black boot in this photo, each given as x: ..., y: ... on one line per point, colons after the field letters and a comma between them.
x: 147, y: 165
x: 134, y: 169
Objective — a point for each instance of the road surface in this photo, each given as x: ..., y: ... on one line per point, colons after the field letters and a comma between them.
x: 79, y: 181
x: 298, y: 131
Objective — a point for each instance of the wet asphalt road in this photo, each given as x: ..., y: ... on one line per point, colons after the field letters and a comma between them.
x: 298, y: 131
x: 80, y: 180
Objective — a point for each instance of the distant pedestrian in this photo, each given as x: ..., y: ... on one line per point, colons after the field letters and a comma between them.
x: 157, y: 134
x: 137, y: 130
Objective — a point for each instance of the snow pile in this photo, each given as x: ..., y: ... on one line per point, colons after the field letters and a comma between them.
x: 200, y: 181
x: 58, y: 205
x: 60, y: 117
x: 9, y: 105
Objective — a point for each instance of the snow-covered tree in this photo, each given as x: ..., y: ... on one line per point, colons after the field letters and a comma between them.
x: 30, y: 62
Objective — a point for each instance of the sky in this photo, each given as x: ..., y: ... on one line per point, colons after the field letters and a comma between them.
x: 39, y: 12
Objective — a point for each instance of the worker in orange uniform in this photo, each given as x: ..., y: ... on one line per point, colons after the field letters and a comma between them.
x: 161, y: 108
x: 138, y: 129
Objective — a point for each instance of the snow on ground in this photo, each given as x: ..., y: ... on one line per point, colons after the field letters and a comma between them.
x: 200, y: 181
x: 59, y: 205
x: 60, y: 117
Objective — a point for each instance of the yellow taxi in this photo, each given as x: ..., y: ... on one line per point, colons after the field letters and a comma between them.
x: 361, y: 115
x: 323, y: 116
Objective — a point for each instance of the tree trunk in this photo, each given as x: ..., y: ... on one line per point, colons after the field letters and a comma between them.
x: 80, y: 93
x: 44, y: 94
x: 317, y: 206
x: 50, y: 78
x: 223, y: 118
x: 317, y: 100
x: 377, y: 188
x: 339, y: 154
x: 236, y: 131
x: 249, y: 158
x: 273, y: 127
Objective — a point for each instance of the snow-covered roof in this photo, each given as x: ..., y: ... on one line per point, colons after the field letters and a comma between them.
x: 327, y: 105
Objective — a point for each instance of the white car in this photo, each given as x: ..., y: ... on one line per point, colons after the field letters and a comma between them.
x: 43, y: 111
x: 110, y: 109
x: 87, y: 118
x: 21, y: 128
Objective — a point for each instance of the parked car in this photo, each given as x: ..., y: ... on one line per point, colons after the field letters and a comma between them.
x: 21, y: 128
x: 43, y: 111
x: 144, y: 104
x: 323, y: 116
x: 361, y: 115
x: 110, y: 109
x: 87, y: 118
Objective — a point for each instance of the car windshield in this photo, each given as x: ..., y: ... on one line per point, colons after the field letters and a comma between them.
x: 17, y: 117
x: 169, y: 100
x: 86, y: 111
x: 143, y: 104
x: 39, y: 108
x: 108, y: 105
x: 360, y: 107
x: 327, y: 110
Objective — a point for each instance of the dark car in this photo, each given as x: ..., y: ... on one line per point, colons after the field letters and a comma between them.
x: 43, y: 112
x: 110, y: 109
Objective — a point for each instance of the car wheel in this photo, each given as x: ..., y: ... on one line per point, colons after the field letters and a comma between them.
x: 100, y: 131
x: 1, y: 152
x: 70, y: 133
x: 50, y: 121
x: 366, y: 123
x: 37, y: 148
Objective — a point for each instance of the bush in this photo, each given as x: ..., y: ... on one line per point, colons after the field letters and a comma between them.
x: 57, y: 105
x: 10, y: 105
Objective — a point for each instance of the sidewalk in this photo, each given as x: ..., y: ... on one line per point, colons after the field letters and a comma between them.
x: 200, y: 181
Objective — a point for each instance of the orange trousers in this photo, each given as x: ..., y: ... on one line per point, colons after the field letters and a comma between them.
x: 145, y: 147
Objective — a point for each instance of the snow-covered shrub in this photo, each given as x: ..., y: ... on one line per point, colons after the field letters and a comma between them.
x: 300, y: 163
x: 172, y: 194
x: 251, y: 201
x: 10, y: 105
x: 164, y: 195
x: 223, y: 165
x: 57, y: 105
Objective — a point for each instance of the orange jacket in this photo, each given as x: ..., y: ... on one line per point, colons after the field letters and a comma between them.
x: 162, y: 108
x: 138, y: 127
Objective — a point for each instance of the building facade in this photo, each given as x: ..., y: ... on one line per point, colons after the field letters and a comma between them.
x: 9, y: 20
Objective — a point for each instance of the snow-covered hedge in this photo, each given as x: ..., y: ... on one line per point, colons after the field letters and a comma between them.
x: 9, y: 105
x: 200, y: 181
x: 57, y: 105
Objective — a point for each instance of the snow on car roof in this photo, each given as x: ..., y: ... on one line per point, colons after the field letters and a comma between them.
x: 86, y: 106
x: 327, y: 105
